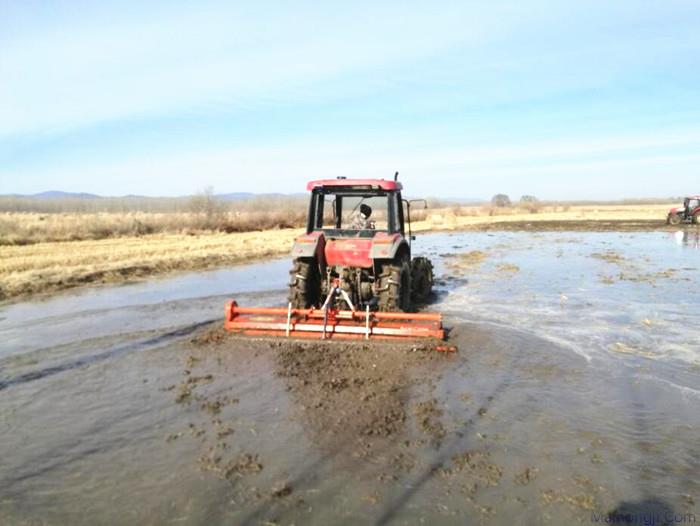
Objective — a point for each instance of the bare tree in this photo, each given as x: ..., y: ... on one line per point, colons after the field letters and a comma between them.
x: 209, y: 209
x: 529, y: 203
x: 500, y: 201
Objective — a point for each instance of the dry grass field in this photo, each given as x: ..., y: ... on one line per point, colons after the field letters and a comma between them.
x: 51, y: 266
x: 26, y: 228
x: 49, y: 252
x: 575, y: 217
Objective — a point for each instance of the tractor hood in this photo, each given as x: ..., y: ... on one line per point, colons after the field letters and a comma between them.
x: 352, y: 252
x: 361, y: 252
x: 347, y: 251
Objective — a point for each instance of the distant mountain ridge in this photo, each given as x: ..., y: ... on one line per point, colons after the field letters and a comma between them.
x: 237, y: 196
x: 231, y: 196
x: 58, y: 194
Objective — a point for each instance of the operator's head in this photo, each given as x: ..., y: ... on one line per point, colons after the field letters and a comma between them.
x: 366, y: 210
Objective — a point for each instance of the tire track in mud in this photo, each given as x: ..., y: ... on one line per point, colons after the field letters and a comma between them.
x: 446, y: 458
x: 645, y: 425
x: 118, y: 350
x: 464, y: 464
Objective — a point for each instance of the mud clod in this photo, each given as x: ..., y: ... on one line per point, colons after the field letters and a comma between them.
x: 348, y: 390
x: 183, y: 393
x: 214, y: 407
x: 212, y: 336
x: 507, y: 268
x: 195, y: 431
x: 526, y: 476
x: 195, y: 380
x: 428, y: 415
x: 609, y: 256
x: 191, y: 361
x: 577, y: 502
x: 467, y: 260
x: 244, y: 464
x: 478, y: 466
x: 282, y: 490
x: 228, y: 431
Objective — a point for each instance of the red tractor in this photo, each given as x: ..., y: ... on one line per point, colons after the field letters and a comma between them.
x: 688, y: 213
x: 356, y: 241
x: 353, y: 276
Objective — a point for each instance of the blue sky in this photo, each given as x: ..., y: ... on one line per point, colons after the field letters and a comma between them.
x: 594, y: 99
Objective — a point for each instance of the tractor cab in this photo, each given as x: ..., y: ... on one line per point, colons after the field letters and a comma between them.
x: 691, y: 205
x: 355, y: 239
x: 355, y: 208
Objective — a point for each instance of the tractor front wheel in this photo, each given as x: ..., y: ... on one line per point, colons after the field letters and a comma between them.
x: 304, y: 284
x: 674, y: 219
x: 394, y: 286
x: 421, y: 280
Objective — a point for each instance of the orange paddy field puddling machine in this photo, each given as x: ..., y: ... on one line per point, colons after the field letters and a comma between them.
x: 352, y: 276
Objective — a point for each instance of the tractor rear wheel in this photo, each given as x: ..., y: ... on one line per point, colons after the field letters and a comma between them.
x: 421, y: 280
x: 696, y: 219
x: 674, y: 219
x: 304, y: 284
x: 394, y: 290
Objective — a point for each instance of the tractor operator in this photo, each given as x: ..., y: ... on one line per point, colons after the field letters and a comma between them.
x: 360, y: 220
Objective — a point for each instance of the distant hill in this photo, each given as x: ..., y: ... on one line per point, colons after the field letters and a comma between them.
x: 57, y: 200
x: 235, y: 196
x: 57, y: 194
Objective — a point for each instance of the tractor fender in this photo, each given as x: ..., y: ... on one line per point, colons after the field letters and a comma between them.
x: 386, y: 246
x: 309, y: 246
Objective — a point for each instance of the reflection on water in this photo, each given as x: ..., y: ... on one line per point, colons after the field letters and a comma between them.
x: 688, y: 238
x: 574, y: 395
x: 131, y: 309
x: 605, y: 296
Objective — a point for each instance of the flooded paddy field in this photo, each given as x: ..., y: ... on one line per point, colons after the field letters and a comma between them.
x: 573, y: 398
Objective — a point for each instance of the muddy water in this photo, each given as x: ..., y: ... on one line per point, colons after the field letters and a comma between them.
x: 574, y: 395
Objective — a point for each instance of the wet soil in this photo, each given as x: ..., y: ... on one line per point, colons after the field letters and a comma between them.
x: 374, y: 416
x: 393, y: 424
x: 567, y: 397
x: 354, y: 399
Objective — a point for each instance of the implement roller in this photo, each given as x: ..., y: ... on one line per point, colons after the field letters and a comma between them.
x: 332, y: 323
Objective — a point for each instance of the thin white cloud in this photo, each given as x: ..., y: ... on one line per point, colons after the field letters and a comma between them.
x: 85, y: 75
x: 75, y: 71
